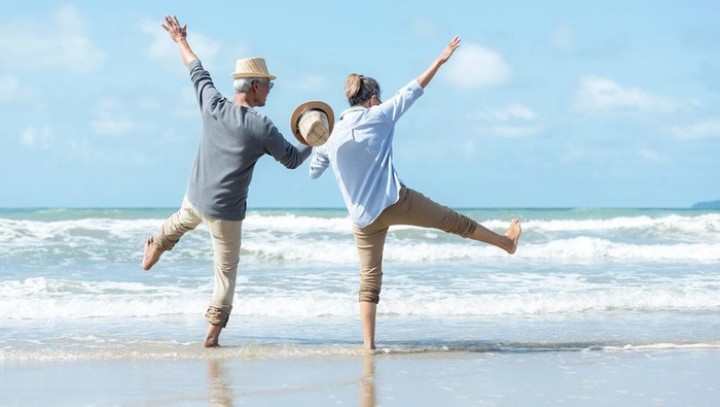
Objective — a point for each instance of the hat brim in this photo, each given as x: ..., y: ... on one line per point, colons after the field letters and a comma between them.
x: 315, y: 104
x: 242, y: 75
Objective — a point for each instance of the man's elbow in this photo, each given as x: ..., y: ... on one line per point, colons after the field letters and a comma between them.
x: 295, y: 157
x: 292, y: 162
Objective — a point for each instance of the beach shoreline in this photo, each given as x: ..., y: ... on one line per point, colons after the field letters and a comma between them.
x: 610, y: 377
x: 599, y: 307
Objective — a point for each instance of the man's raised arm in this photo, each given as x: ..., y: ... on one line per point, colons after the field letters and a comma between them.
x: 178, y: 34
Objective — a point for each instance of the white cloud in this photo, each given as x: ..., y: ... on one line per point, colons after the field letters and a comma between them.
x: 515, y: 131
x: 563, y: 39
x: 705, y: 129
x: 474, y: 66
x: 424, y: 28
x: 110, y: 120
x: 149, y: 104
x: 80, y: 148
x: 651, y: 156
x: 161, y: 47
x: 573, y: 154
x: 189, y: 98
x: 511, y: 112
x: 12, y: 90
x: 514, y: 120
x: 36, y: 138
x: 469, y: 148
x: 188, y: 104
x: 310, y: 83
x: 58, y: 44
x: 597, y: 95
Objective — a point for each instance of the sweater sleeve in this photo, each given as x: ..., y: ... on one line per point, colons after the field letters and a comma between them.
x: 285, y: 153
x: 205, y: 91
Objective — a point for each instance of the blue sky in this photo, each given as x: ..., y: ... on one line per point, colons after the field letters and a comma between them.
x: 545, y: 104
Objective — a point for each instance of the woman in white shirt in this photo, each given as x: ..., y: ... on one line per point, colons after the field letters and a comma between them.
x: 360, y: 154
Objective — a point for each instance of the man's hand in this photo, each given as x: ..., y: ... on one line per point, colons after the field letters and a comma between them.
x: 178, y: 34
x: 172, y: 26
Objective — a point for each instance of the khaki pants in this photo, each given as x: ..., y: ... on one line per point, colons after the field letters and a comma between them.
x: 412, y: 208
x: 226, y: 237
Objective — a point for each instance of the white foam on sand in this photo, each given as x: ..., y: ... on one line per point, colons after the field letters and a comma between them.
x: 94, y: 348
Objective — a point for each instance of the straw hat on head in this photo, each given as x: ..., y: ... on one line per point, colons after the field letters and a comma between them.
x: 251, y: 68
x: 312, y: 122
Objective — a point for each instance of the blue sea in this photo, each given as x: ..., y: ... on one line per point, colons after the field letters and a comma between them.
x: 583, y: 279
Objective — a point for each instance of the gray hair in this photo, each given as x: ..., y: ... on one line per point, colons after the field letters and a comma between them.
x: 244, y: 85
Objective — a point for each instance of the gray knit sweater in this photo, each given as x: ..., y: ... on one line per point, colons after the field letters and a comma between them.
x: 233, y: 139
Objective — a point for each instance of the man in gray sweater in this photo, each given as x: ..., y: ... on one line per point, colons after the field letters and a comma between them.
x: 234, y: 137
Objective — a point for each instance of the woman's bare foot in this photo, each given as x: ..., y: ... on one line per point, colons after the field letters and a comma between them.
x: 213, y: 336
x: 152, y: 254
x: 513, y: 233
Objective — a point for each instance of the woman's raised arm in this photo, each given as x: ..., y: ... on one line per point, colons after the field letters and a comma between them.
x: 425, y: 78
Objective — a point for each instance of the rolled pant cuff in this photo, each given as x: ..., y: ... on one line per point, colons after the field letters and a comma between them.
x: 164, y: 243
x: 218, y: 316
x: 369, y: 296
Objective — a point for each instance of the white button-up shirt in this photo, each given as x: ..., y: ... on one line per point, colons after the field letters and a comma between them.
x: 359, y: 150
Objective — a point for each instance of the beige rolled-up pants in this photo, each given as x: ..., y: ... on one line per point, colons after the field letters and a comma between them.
x: 412, y: 208
x: 226, y: 237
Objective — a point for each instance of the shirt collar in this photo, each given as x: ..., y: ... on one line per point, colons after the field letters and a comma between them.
x: 352, y: 109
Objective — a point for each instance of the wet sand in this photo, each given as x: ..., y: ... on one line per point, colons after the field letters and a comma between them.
x: 592, y: 378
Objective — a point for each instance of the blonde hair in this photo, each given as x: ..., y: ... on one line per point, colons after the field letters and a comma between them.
x: 359, y: 89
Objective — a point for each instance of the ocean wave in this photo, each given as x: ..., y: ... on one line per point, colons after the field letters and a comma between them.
x: 402, y: 251
x: 587, y: 248
x: 668, y: 224
x: 493, y: 295
x: 401, y: 247
x: 705, y: 226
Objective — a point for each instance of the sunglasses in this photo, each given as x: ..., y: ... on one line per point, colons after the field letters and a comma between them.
x: 266, y: 82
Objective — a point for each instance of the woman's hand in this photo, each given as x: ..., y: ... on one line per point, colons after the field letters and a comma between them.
x: 425, y: 77
x: 449, y: 50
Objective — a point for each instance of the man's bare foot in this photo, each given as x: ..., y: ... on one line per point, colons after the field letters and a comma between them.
x: 152, y: 254
x: 513, y: 233
x: 212, y: 337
